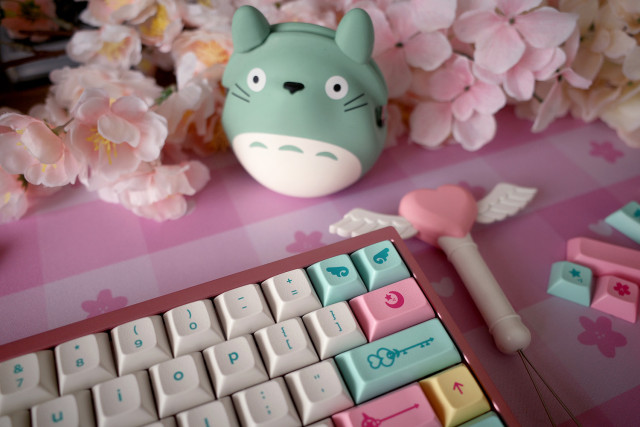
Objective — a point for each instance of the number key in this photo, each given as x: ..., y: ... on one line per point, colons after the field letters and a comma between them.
x: 27, y: 380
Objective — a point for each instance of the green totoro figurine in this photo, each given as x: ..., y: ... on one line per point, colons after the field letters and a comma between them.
x: 305, y: 106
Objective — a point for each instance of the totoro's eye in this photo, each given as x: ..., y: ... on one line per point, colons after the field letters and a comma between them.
x: 336, y: 87
x: 256, y: 79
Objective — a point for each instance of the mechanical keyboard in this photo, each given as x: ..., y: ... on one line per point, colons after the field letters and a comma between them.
x: 350, y: 334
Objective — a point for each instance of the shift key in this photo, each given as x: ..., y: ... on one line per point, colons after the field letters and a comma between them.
x: 396, y: 360
x: 605, y: 259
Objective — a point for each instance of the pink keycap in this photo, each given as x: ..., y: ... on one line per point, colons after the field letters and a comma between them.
x: 617, y: 297
x: 604, y: 258
x: 407, y: 406
x: 391, y: 309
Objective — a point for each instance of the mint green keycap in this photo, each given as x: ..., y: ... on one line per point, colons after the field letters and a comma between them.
x: 380, y: 265
x: 571, y: 281
x: 336, y: 279
x: 627, y: 220
x: 489, y: 419
x: 393, y: 361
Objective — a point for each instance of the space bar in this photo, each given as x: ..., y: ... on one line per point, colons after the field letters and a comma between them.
x: 604, y: 258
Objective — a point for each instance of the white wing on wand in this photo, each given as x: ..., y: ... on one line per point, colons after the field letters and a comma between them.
x: 503, y: 201
x: 359, y: 221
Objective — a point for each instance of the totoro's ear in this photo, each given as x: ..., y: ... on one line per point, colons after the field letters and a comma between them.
x: 249, y: 29
x: 355, y: 36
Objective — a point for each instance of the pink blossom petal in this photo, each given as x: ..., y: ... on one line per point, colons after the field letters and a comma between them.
x: 554, y: 105
x: 472, y: 134
x: 396, y: 72
x: 13, y: 160
x: 430, y: 123
x: 519, y: 83
x: 515, y: 7
x: 433, y: 15
x: 449, y: 82
x: 118, y: 130
x: 155, y: 134
x: 631, y: 65
x: 488, y: 98
x: 501, y: 51
x: 546, y: 27
x: 476, y: 24
x: 575, y: 79
x: 130, y: 107
x: 428, y: 50
x: 400, y: 17
x: 385, y: 38
x: 549, y: 69
x: 43, y: 144
x: 463, y: 106
x: 89, y: 109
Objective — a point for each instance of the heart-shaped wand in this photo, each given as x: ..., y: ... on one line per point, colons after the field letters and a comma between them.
x: 443, y: 217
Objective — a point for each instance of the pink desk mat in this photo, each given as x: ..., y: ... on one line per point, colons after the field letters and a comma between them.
x: 73, y: 256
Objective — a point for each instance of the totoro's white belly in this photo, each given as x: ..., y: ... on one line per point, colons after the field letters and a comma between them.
x: 295, y: 166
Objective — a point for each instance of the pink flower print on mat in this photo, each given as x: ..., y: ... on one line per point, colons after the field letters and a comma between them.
x: 600, y: 333
x: 103, y: 304
x: 304, y: 242
x: 606, y: 151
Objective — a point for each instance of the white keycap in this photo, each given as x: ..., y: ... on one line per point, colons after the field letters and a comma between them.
x: 285, y: 347
x: 290, y: 294
x: 140, y: 344
x: 180, y: 384
x: 193, y: 327
x: 27, y: 380
x: 243, y: 310
x: 323, y: 423
x: 318, y: 391
x: 124, y: 401
x: 17, y: 419
x: 234, y: 365
x: 219, y: 413
x: 72, y: 410
x: 266, y: 405
x: 165, y: 422
x: 334, y: 329
x: 83, y: 362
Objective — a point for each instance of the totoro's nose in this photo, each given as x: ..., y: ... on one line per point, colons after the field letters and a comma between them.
x: 293, y: 87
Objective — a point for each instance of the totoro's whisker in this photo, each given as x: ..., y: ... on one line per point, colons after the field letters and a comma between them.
x: 357, y: 106
x: 354, y: 99
x: 247, y: 94
x: 239, y: 97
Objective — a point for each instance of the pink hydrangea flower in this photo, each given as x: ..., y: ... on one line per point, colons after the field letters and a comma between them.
x: 157, y: 192
x: 501, y: 35
x: 401, y: 45
x: 29, y: 147
x: 462, y: 106
x: 214, y: 15
x: 13, y: 201
x: 114, y: 138
x: 111, y: 46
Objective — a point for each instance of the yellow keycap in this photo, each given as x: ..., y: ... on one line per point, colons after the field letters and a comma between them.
x: 455, y: 395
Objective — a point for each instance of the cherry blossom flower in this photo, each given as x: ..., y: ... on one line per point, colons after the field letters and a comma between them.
x: 157, y: 192
x: 111, y: 46
x: 29, y: 147
x: 195, y: 51
x: 26, y: 19
x: 162, y: 26
x: 400, y: 44
x: 13, y: 201
x: 501, y: 35
x: 462, y: 106
x: 70, y: 83
x: 193, y: 114
x: 100, y: 12
x: 214, y: 15
x: 104, y: 303
x: 600, y: 334
x: 114, y: 138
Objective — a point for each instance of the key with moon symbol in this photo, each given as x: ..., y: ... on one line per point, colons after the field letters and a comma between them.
x: 391, y: 309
